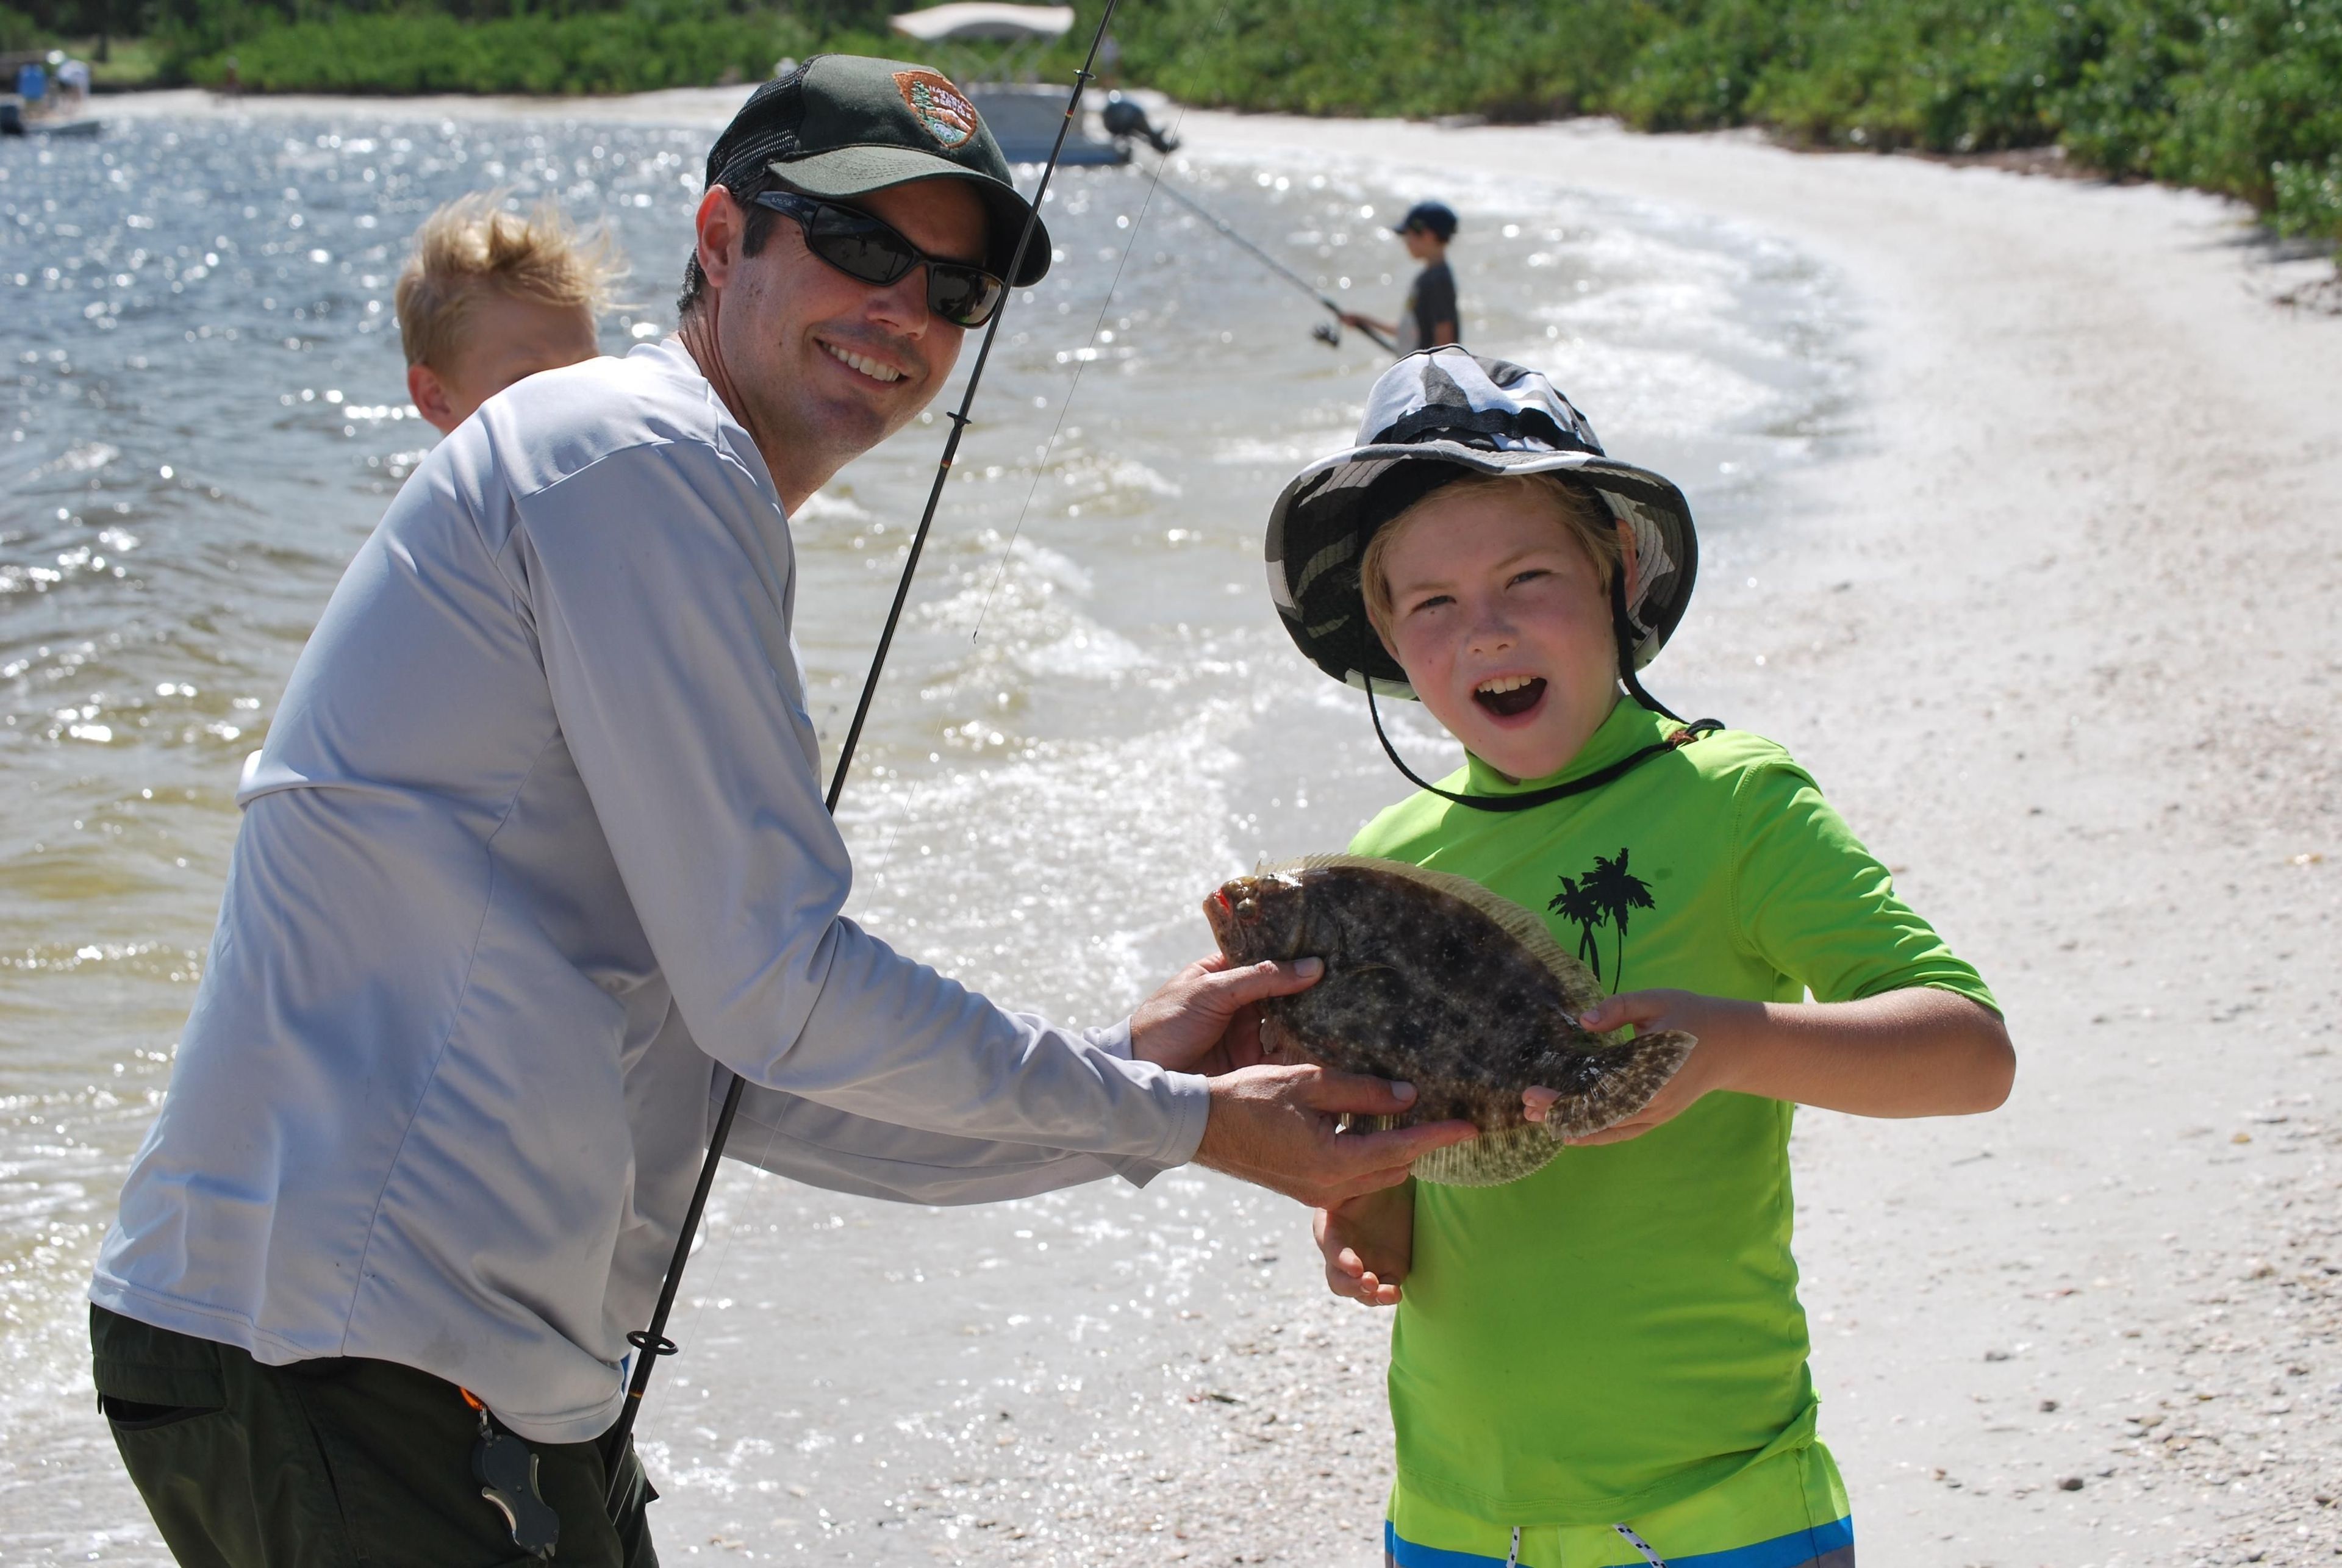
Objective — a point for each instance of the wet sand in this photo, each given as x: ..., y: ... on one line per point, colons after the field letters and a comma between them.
x: 2055, y: 626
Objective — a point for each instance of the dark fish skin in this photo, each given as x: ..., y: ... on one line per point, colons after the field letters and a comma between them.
x: 1432, y: 978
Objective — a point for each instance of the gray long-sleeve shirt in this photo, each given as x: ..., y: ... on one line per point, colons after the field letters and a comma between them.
x: 537, y: 840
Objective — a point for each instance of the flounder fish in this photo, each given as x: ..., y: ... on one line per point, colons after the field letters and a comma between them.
x: 1431, y: 978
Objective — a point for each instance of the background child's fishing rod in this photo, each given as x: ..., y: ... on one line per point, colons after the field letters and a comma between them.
x: 1125, y: 119
x: 651, y: 1343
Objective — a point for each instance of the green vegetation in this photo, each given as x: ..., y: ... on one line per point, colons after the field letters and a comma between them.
x: 628, y: 51
x: 122, y: 65
x: 2240, y: 96
x: 20, y: 32
x: 499, y: 46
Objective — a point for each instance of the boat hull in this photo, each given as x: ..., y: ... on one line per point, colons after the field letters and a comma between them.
x: 1023, y: 121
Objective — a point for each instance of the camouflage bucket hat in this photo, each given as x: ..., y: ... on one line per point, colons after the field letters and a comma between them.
x: 844, y: 125
x: 1432, y: 417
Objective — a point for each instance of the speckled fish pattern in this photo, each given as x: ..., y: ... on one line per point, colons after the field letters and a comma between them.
x: 1433, y: 978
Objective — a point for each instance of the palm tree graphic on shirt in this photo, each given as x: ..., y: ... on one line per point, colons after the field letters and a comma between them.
x: 1606, y: 896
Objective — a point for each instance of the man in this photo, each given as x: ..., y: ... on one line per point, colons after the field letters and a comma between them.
x: 1430, y: 317
x: 72, y: 78
x: 535, y: 844
x: 488, y: 296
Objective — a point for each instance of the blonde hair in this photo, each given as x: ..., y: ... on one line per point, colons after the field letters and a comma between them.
x: 1577, y: 509
x: 472, y: 245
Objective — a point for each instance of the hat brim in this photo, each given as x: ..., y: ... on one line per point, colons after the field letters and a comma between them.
x: 845, y: 173
x: 1319, y: 529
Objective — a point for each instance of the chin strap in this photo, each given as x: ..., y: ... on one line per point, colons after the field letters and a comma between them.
x: 1538, y: 797
x: 1622, y: 628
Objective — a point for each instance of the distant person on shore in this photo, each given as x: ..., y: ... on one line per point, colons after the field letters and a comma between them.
x: 32, y: 86
x: 1605, y: 1361
x: 73, y: 80
x: 1431, y: 318
x: 488, y: 296
x: 536, y: 860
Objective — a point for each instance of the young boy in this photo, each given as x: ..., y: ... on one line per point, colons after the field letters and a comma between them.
x: 1430, y: 318
x: 1605, y: 1362
x: 488, y: 296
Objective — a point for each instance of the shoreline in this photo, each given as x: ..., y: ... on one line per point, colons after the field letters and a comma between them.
x: 2313, y: 268
x: 2054, y: 626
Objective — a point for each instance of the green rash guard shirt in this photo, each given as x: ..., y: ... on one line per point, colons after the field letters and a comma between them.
x: 1621, y: 1330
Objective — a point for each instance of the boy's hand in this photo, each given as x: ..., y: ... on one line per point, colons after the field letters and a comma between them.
x: 1650, y: 1012
x: 1368, y: 1244
x: 1916, y: 1052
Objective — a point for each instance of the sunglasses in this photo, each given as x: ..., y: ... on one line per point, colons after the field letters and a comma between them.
x: 861, y: 246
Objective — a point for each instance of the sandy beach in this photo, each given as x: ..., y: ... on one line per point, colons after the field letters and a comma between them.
x: 2058, y: 633
x: 2055, y: 624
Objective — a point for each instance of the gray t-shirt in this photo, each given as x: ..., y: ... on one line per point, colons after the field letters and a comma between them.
x: 536, y: 843
x: 1431, y: 301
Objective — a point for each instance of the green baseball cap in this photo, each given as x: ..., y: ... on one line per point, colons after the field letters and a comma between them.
x: 844, y: 125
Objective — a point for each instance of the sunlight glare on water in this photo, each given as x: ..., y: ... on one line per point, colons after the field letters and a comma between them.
x: 1091, y: 718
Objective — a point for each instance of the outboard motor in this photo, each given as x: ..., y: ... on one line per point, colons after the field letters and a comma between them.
x: 1125, y: 119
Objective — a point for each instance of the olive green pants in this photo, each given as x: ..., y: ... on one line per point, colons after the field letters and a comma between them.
x: 332, y: 1463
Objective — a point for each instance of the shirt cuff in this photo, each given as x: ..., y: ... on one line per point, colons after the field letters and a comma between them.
x: 1114, y: 1038
x: 1191, y: 1109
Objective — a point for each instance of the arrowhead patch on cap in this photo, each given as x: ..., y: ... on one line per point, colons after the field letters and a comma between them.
x: 941, y: 109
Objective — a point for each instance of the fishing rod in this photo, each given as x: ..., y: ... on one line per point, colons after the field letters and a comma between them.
x: 651, y: 1343
x: 1125, y: 119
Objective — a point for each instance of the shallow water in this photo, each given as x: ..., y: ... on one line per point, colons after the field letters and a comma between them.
x: 1092, y: 717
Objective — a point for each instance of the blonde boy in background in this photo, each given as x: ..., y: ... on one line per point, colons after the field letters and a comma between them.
x: 1605, y: 1362
x: 488, y: 296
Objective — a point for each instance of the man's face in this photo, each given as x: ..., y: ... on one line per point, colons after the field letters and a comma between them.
x: 505, y: 337
x: 826, y: 364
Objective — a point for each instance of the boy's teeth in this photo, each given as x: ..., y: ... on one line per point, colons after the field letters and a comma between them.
x: 870, y: 367
x: 1504, y: 684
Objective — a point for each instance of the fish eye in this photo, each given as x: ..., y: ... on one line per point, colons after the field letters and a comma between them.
x: 1246, y: 908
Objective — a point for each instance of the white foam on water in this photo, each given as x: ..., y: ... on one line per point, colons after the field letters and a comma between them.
x: 822, y: 506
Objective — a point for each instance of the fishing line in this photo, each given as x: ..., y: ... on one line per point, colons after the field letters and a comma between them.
x: 1229, y: 231
x: 1065, y: 406
x: 651, y: 1343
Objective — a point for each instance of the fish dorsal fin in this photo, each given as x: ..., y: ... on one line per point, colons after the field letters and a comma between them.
x: 1577, y: 983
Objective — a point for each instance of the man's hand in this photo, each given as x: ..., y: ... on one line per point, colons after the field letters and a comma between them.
x: 1276, y: 1127
x: 1206, y: 1017
x: 1368, y: 1244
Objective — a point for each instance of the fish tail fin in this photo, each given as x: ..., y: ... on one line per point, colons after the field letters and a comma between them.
x: 1634, y: 1074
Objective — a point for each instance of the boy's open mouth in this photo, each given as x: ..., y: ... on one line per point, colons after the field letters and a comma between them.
x: 1509, y: 696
